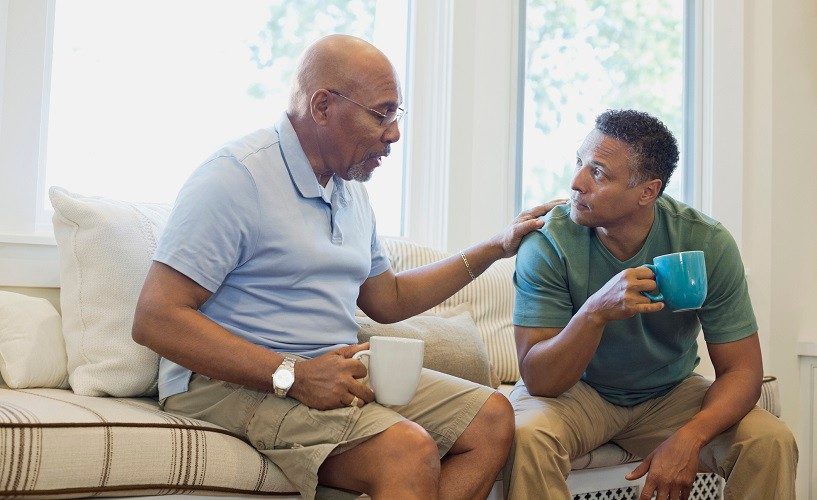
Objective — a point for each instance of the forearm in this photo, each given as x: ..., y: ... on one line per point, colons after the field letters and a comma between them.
x: 730, y: 397
x: 187, y: 337
x: 417, y: 290
x: 554, y: 365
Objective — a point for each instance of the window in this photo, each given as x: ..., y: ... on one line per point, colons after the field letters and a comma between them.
x: 584, y: 56
x: 139, y: 100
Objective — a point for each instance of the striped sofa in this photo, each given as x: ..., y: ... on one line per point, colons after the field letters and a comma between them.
x: 57, y: 444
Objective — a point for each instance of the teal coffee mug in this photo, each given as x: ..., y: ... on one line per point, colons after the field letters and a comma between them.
x: 681, y: 280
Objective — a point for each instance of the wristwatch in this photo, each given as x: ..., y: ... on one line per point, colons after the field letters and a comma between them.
x: 284, y: 377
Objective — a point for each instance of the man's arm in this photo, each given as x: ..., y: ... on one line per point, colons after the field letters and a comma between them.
x: 735, y: 391
x: 387, y: 298
x: 552, y: 360
x: 168, y: 321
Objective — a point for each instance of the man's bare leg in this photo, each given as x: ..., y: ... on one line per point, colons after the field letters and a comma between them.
x: 471, y: 467
x: 400, y: 462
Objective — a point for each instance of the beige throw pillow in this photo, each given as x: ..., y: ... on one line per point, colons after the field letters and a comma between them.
x: 491, y: 298
x: 105, y: 249
x: 452, y: 342
x: 32, y: 351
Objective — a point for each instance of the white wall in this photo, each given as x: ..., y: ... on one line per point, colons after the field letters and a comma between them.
x: 780, y: 188
x: 757, y: 164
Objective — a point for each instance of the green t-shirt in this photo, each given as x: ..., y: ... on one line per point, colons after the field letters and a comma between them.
x: 562, y: 264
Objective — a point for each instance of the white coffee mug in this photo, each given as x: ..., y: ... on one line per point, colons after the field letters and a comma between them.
x: 394, y: 368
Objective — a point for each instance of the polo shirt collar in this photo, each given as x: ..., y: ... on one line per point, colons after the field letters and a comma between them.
x: 295, y: 159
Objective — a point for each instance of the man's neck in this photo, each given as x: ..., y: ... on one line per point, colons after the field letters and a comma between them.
x: 309, y: 144
x: 626, y: 239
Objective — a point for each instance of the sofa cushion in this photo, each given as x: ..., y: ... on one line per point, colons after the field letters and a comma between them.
x: 30, y: 330
x: 105, y: 249
x: 452, y: 341
x: 490, y: 295
x: 60, y: 444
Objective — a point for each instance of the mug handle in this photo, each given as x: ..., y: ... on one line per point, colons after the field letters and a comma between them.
x: 368, y: 354
x: 654, y: 297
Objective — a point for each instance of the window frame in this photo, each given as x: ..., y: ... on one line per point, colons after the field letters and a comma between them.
x: 691, y: 43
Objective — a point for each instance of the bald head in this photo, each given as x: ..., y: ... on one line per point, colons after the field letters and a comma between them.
x: 337, y: 62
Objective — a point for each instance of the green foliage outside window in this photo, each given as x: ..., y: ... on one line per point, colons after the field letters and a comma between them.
x: 294, y: 24
x: 585, y: 56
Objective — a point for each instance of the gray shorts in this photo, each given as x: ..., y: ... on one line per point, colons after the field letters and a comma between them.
x: 298, y: 439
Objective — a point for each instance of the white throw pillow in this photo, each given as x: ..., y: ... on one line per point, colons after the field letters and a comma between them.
x: 490, y: 295
x: 105, y: 248
x: 32, y: 352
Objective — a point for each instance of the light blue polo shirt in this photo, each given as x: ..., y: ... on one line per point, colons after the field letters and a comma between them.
x: 285, y: 266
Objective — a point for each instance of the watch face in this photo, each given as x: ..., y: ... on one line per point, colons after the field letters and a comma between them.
x: 283, y: 379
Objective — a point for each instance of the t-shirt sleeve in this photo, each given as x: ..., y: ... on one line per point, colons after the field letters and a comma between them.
x: 542, y: 293
x: 380, y: 260
x: 726, y: 314
x: 214, y: 225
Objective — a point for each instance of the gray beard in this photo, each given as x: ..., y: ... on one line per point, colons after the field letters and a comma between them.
x: 359, y: 173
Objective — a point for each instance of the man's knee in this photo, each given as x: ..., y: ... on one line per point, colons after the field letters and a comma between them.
x: 773, y: 442
x: 408, y: 446
x: 496, y: 417
x: 539, y: 437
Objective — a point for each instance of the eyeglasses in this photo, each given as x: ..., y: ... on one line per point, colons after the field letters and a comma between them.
x: 386, y: 118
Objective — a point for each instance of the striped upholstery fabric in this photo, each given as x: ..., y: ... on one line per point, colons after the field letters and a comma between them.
x: 490, y: 296
x: 55, y: 444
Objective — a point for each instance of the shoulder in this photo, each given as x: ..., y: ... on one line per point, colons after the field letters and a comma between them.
x: 234, y: 165
x: 690, y: 224
x: 560, y: 231
x: 558, y: 221
x: 682, y: 214
x: 252, y: 147
x: 694, y: 230
x: 556, y: 237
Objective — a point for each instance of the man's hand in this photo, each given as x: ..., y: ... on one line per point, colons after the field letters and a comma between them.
x: 330, y: 381
x: 670, y: 469
x: 621, y: 298
x: 525, y: 222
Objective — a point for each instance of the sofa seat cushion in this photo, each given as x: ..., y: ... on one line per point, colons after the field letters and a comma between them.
x: 56, y: 444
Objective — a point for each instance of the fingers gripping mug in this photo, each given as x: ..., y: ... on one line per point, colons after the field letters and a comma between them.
x: 681, y: 280
x: 394, y: 368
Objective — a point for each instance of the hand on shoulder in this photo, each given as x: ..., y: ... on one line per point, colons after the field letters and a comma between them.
x: 522, y: 224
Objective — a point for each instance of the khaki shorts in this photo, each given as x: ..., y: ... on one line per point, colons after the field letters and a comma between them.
x: 298, y: 439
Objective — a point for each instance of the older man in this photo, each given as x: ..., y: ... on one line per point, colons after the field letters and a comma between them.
x: 600, y: 362
x: 251, y: 299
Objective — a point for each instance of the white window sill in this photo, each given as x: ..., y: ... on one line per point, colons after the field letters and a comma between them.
x: 29, y: 260
x: 28, y: 239
x: 807, y: 348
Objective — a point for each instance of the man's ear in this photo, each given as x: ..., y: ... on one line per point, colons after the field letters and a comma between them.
x: 319, y: 106
x: 650, y: 191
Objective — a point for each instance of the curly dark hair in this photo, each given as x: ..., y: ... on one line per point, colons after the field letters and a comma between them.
x: 655, y: 149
